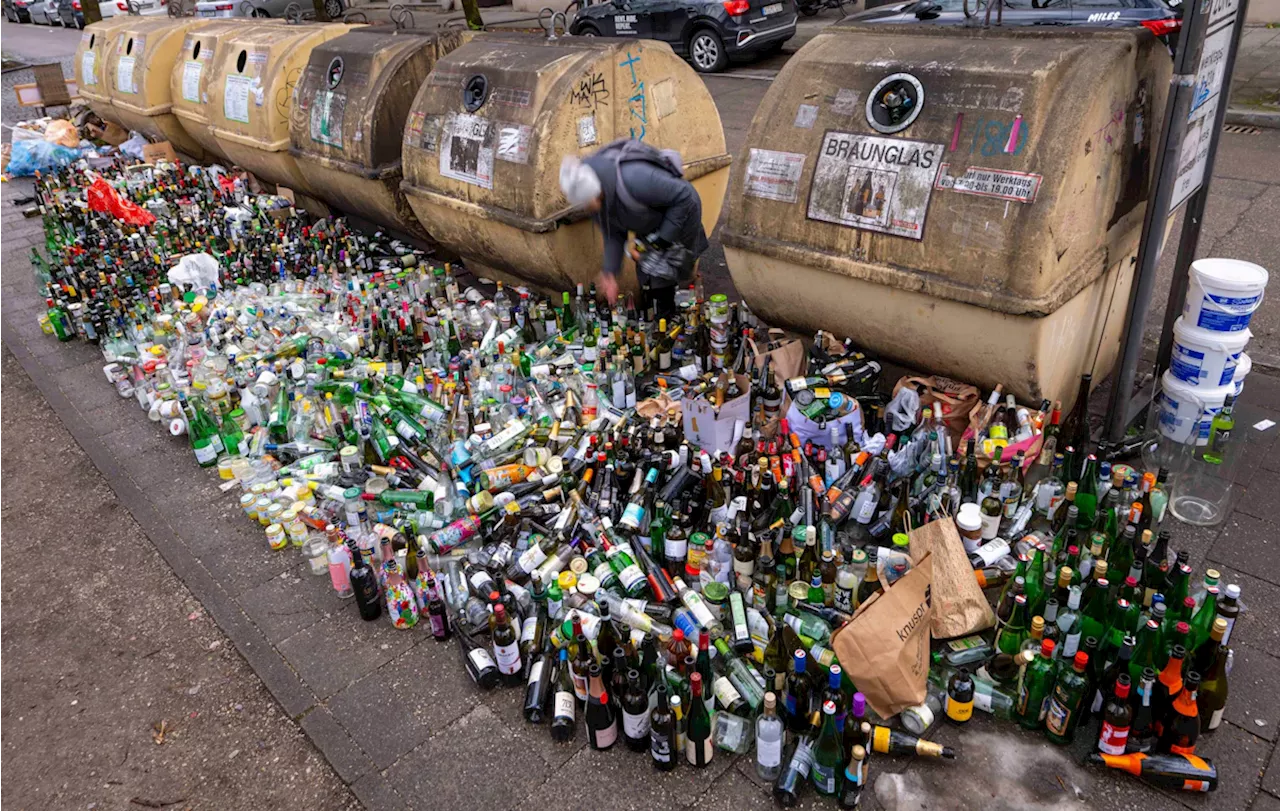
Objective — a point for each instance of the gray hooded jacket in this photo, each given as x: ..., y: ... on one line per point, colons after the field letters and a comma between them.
x: 671, y: 208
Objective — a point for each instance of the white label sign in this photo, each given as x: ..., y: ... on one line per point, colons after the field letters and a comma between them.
x: 806, y: 116
x: 1020, y: 187
x: 466, y: 149
x: 124, y: 74
x: 191, y: 80
x: 513, y: 144
x: 774, y: 175
x: 235, y: 98
x: 89, y: 67
x: 1194, y: 154
x: 874, y: 183
x: 587, y: 134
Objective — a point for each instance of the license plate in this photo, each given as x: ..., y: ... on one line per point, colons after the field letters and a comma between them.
x: 207, y: 13
x: 772, y: 8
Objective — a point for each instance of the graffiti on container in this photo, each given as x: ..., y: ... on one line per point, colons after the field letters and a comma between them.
x: 981, y: 97
x: 636, y: 103
x: 589, y: 92
x: 1110, y: 132
x: 992, y: 136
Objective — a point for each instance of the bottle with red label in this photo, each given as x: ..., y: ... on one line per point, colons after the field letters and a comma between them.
x: 1117, y: 719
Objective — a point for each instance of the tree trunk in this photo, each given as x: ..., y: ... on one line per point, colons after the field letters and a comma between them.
x: 472, y: 9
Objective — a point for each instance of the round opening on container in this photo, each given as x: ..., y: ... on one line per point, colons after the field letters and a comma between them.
x: 894, y: 103
x: 128, y: 48
x: 474, y: 92
x: 195, y: 52
x: 241, y: 61
x: 92, y: 39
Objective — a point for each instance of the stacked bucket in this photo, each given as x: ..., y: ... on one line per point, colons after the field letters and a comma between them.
x: 1209, y: 363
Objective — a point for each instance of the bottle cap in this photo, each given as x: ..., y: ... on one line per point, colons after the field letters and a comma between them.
x: 1220, y: 624
x: 1233, y: 592
x: 1037, y: 625
x: 1081, y: 660
x: 829, y: 707
x: 770, y: 701
x: 969, y: 518
x: 859, y: 704
x: 1046, y: 648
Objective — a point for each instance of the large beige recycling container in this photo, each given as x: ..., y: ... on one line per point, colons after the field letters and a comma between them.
x: 140, y: 58
x: 352, y: 104
x: 483, y: 145
x: 90, y: 66
x: 963, y: 201
x: 255, y: 72
x: 192, y: 77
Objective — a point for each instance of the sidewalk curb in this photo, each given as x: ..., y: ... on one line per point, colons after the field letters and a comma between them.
x: 1253, y: 117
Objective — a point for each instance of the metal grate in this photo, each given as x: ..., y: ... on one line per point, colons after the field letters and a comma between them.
x: 1241, y: 129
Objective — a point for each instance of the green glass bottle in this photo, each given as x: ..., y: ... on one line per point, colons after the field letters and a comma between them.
x: 828, y: 754
x: 1034, y: 684
x: 1096, y: 608
x: 1224, y: 422
x: 1066, y: 702
x: 1014, y: 633
x: 1087, y: 492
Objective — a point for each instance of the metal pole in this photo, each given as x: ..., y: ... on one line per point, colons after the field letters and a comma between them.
x: 1181, y: 86
x: 1193, y: 215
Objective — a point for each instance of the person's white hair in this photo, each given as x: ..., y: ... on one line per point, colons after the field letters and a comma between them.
x: 578, y: 181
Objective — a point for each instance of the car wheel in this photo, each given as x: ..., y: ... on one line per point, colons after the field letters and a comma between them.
x: 588, y: 31
x: 334, y: 9
x: 707, y: 52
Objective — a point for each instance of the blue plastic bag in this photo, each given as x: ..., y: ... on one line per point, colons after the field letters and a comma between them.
x: 39, y: 155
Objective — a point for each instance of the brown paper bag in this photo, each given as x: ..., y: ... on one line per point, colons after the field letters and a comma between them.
x: 959, y: 605
x: 885, y: 647
x: 787, y: 359
x: 950, y: 399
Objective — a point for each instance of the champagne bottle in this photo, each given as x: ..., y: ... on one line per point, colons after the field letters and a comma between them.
x: 602, y: 724
x: 892, y: 742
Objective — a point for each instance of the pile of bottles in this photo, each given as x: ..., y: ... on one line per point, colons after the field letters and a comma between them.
x: 490, y: 466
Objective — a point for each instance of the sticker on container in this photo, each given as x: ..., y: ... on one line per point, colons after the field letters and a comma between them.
x: 806, y: 116
x: 191, y: 71
x: 1020, y: 187
x: 874, y: 183
x: 664, y: 97
x: 88, y: 67
x: 774, y: 175
x: 235, y: 97
x: 124, y: 74
x: 513, y: 144
x: 326, y: 118
x: 587, y: 130
x: 430, y: 141
x: 846, y: 102
x: 466, y: 149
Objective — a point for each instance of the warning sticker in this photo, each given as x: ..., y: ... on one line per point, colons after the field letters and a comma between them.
x: 774, y: 175
x: 326, y: 118
x: 513, y: 144
x: 191, y: 70
x: 880, y: 184
x: 124, y: 74
x: 235, y: 97
x: 466, y: 149
x: 1020, y: 187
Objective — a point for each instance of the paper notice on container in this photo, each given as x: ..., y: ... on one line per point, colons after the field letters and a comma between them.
x: 191, y: 71
x: 466, y: 149
x: 124, y: 74
x: 513, y: 144
x: 89, y: 67
x: 1020, y: 187
x: 235, y: 97
x: 327, y: 113
x: 874, y: 183
x: 774, y: 175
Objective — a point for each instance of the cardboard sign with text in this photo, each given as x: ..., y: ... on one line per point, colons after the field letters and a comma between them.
x: 884, y: 649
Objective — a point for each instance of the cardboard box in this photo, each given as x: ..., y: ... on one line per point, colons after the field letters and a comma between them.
x: 162, y: 151
x: 712, y: 429
x: 112, y: 134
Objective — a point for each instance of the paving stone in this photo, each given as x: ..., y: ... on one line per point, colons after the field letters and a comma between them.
x: 347, y: 759
x: 733, y: 792
x: 1256, y: 626
x: 341, y: 649
x: 1262, y: 500
x: 1196, y: 541
x: 619, y: 780
x: 281, y: 607
x: 240, y: 570
x: 1240, y: 758
x: 1253, y: 686
x: 477, y: 764
x: 1265, y: 802
x: 1249, y: 544
x: 377, y: 794
x: 508, y: 706
x: 405, y: 702
x: 1271, y: 778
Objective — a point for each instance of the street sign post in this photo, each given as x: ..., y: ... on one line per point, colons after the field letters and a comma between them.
x: 1194, y: 114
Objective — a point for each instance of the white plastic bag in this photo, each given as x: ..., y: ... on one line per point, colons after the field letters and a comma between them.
x: 195, y: 271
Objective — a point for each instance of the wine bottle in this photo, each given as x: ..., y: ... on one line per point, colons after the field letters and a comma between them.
x: 602, y: 724
x: 365, y: 585
x: 698, y: 748
x: 506, y: 647
x: 1176, y: 772
x: 538, y: 687
x: 662, y: 731
x: 479, y: 663
x: 564, y: 720
x: 635, y: 713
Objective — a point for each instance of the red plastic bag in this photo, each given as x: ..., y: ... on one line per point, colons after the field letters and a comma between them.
x: 104, y: 198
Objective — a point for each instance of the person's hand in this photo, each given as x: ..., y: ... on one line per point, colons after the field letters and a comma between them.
x: 634, y: 252
x: 609, y: 286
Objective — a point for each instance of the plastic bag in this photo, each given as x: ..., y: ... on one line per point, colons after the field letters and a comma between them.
x: 133, y: 147
x: 31, y: 156
x: 902, y: 410
x: 195, y: 271
x: 62, y: 132
x: 104, y: 198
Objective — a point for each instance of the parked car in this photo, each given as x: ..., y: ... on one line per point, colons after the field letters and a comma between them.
x: 146, y: 8
x: 45, y: 12
x: 706, y: 32
x: 1154, y: 15
x: 71, y: 14
x: 264, y: 8
x: 17, y: 11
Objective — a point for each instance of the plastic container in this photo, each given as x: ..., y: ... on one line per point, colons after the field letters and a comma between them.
x: 1185, y: 411
x: 988, y: 234
x: 1222, y: 294
x: 1243, y: 368
x: 487, y: 131
x: 140, y: 58
x: 192, y: 75
x: 1206, y: 358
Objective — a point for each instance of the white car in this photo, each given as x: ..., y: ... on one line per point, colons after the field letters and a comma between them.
x: 146, y: 8
x: 45, y: 12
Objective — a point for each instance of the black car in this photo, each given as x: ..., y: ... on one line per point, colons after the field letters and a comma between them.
x: 17, y: 11
x: 706, y: 32
x: 1155, y: 15
x: 71, y: 14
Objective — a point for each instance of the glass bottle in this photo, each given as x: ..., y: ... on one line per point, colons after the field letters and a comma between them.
x: 828, y: 754
x: 1066, y: 702
x: 635, y: 714
x: 1182, y: 726
x: 1213, y: 692
x: 602, y: 724
x: 564, y: 719
x: 770, y: 735
x: 698, y: 747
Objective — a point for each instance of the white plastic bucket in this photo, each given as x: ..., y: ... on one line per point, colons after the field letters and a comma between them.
x: 1243, y: 368
x: 1203, y: 357
x: 1223, y: 293
x: 1187, y: 410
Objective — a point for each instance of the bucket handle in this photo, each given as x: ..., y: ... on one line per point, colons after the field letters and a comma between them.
x: 399, y: 14
x: 547, y: 19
